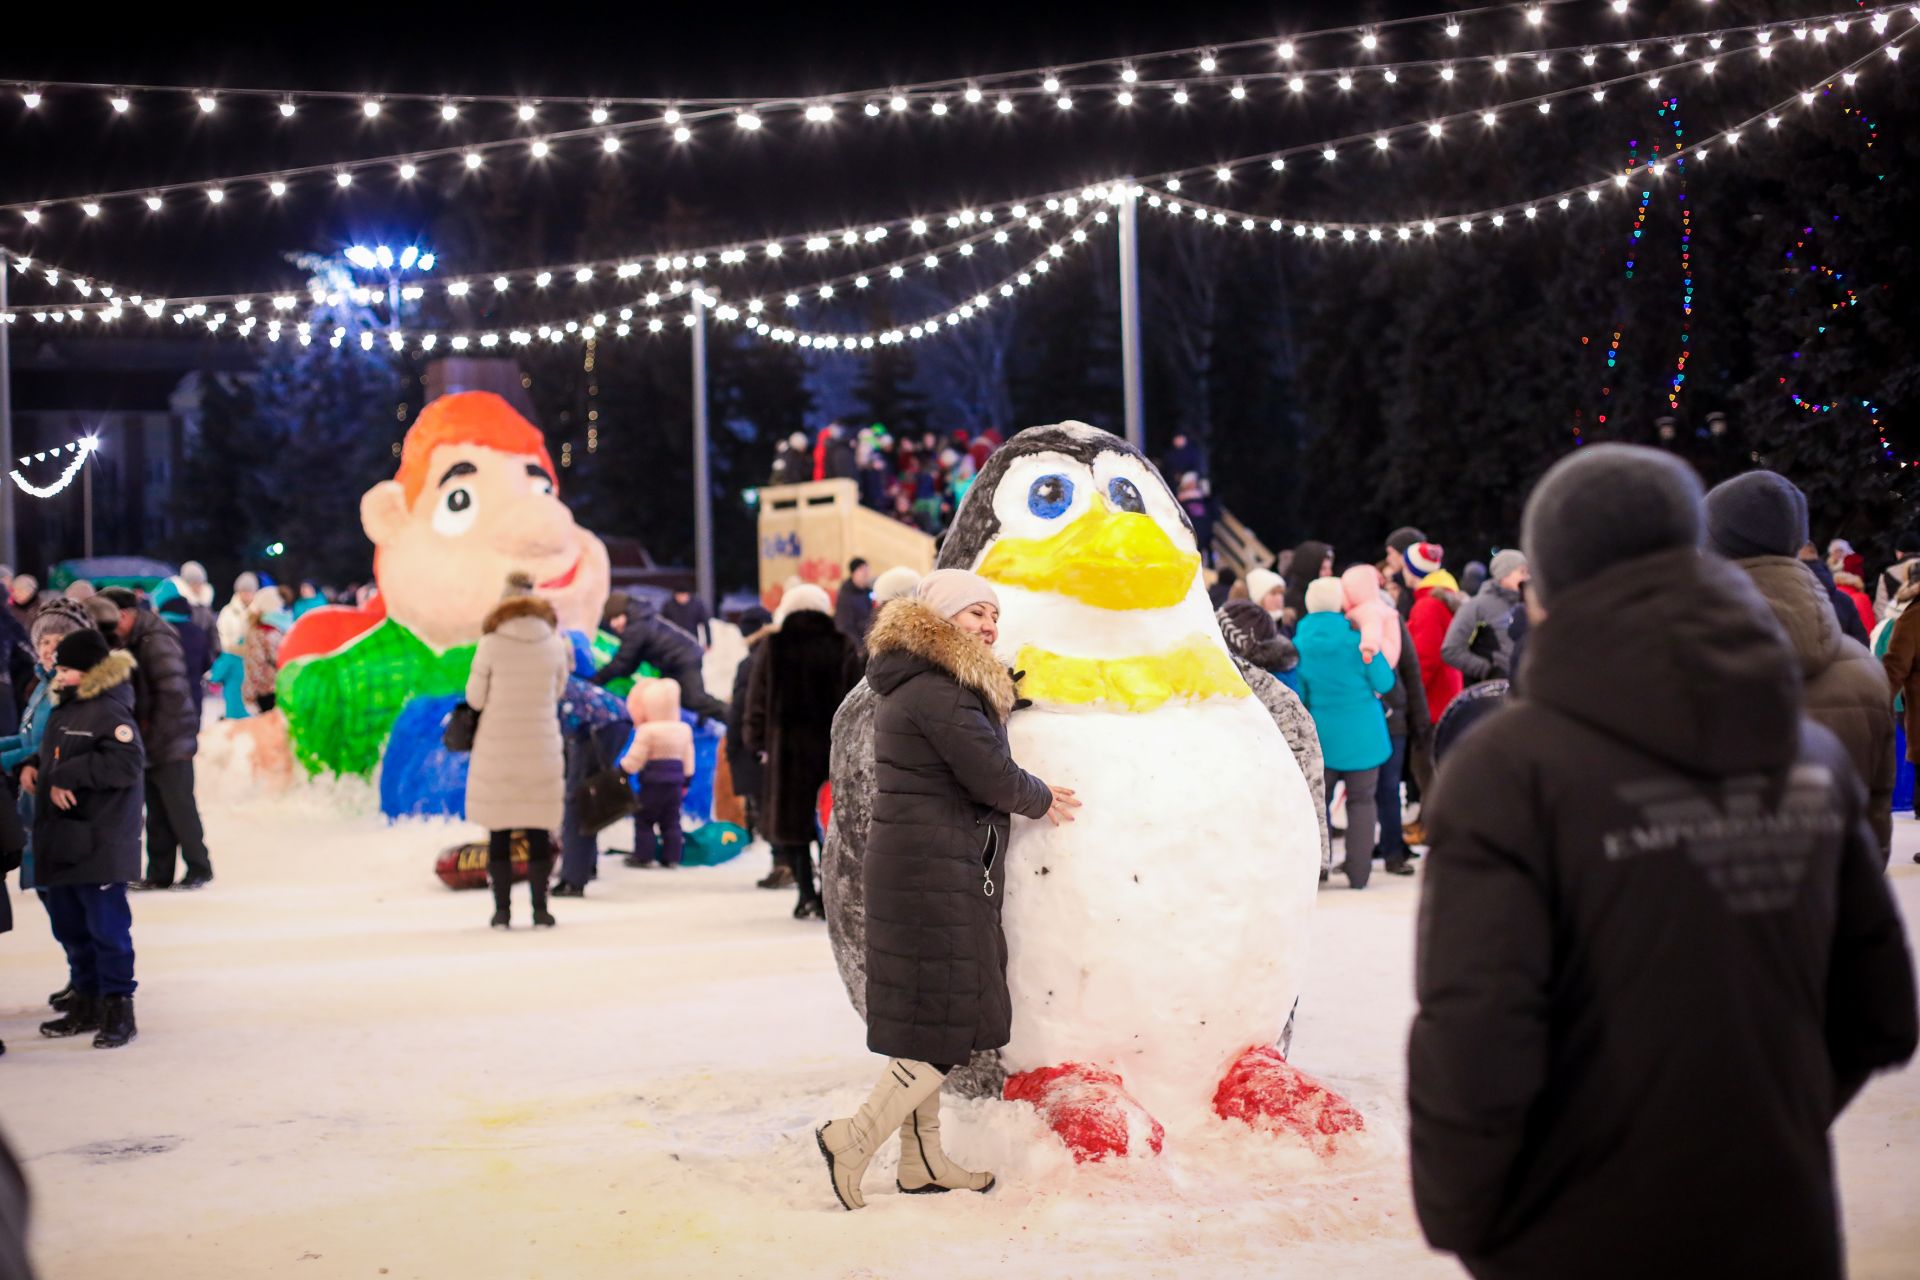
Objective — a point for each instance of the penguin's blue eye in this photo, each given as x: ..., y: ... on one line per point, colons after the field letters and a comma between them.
x: 1126, y: 496
x: 1050, y: 497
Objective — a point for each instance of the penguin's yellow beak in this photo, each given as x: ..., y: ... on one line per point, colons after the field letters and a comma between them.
x: 1108, y: 559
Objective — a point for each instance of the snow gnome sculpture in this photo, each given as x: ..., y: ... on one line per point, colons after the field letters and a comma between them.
x: 1155, y: 946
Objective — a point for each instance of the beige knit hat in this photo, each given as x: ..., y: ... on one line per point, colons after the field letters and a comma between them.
x: 951, y: 591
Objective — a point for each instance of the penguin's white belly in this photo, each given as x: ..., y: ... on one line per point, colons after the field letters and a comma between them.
x: 1165, y: 931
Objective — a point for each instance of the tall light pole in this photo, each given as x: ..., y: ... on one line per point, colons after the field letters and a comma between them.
x: 1130, y: 387
x: 702, y: 482
x: 9, y: 542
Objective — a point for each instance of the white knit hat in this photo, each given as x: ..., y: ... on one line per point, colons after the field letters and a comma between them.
x: 896, y: 583
x: 1325, y: 596
x: 1261, y: 583
x: 805, y: 598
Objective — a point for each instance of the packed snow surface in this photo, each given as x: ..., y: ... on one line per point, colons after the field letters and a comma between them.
x: 341, y: 1072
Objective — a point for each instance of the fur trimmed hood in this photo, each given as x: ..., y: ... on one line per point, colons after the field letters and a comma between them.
x: 911, y: 628
x: 520, y: 607
x: 110, y: 672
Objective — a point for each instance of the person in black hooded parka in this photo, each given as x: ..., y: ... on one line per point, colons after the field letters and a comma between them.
x: 945, y: 785
x: 795, y: 685
x: 1656, y: 953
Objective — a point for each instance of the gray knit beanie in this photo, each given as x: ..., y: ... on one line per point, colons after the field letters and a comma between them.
x: 1761, y: 513
x: 1603, y: 505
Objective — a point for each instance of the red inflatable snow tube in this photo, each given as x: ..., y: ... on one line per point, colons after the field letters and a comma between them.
x: 1264, y: 1091
x: 1089, y: 1108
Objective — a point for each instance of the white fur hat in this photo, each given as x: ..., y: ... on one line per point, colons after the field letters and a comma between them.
x: 1261, y: 583
x: 896, y: 583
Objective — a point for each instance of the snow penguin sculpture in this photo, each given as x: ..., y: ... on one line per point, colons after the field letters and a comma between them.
x: 1155, y: 946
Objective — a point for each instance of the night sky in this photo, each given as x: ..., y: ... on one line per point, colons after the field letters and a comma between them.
x: 786, y: 179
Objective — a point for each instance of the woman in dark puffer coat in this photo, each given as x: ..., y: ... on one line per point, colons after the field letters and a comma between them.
x: 944, y: 787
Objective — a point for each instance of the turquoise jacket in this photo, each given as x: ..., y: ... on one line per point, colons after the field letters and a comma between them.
x: 23, y: 748
x: 1343, y: 693
x: 17, y: 749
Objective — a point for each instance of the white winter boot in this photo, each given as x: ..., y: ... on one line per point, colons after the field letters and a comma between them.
x: 924, y: 1167
x: 848, y: 1145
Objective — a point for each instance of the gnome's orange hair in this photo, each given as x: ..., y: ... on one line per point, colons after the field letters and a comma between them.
x: 467, y: 417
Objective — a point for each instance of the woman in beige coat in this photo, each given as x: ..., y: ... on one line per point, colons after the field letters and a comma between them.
x: 516, y: 779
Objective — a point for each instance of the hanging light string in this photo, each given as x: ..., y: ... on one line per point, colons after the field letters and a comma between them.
x: 1217, y: 215
x: 1125, y: 92
x: 1724, y: 142
x: 527, y: 106
x: 80, y: 449
x: 741, y: 253
x: 1018, y: 219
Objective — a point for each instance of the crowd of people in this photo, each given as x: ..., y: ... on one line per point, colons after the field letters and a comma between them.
x: 918, y: 481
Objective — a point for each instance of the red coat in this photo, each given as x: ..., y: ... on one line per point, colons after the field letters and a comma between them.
x: 1431, y: 617
x: 1862, y: 602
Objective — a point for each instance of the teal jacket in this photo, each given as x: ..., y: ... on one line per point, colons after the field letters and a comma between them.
x: 20, y: 748
x: 1343, y: 693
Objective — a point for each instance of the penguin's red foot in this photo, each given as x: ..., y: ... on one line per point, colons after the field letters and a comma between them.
x: 1090, y: 1109
x: 1266, y: 1093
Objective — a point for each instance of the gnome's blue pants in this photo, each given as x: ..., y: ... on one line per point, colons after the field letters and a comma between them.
x: 229, y: 672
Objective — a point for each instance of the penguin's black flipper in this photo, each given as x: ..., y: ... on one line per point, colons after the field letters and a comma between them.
x: 1296, y: 725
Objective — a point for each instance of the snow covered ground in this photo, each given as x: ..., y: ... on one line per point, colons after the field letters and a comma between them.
x: 342, y: 1072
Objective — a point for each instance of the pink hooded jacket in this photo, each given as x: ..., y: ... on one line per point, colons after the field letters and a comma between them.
x: 658, y: 731
x: 1367, y: 609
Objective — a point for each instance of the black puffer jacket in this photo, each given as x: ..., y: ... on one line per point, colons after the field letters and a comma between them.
x: 1656, y: 954
x: 93, y: 749
x: 163, y: 701
x: 651, y: 639
x: 749, y: 775
x: 944, y: 785
x: 793, y: 690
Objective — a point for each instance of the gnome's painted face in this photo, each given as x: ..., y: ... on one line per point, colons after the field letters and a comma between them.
x: 481, y: 514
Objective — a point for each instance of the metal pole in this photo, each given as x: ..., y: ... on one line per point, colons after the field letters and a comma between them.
x: 86, y: 502
x: 9, y: 543
x: 1130, y: 314
x: 702, y: 484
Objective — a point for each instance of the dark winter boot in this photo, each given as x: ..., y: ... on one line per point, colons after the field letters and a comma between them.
x: 60, y: 1000
x: 781, y: 877
x: 537, y: 873
x: 82, y: 1015
x: 116, y: 1023
x: 501, y: 875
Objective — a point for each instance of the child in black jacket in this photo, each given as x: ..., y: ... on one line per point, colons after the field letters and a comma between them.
x: 86, y: 832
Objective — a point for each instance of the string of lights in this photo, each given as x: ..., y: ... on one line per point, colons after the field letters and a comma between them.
x: 1126, y: 92
x: 1725, y: 142
x: 1367, y: 36
x: 736, y: 254
x: 986, y: 228
x: 80, y: 449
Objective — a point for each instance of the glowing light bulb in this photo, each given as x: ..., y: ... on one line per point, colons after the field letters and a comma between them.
x: 153, y: 203
x: 671, y: 115
x: 1286, y: 49
x: 1589, y: 58
x: 1499, y: 66
x: 609, y: 144
x: 1296, y: 84
x: 1369, y: 41
x: 1536, y: 16
x: 683, y: 134
x: 1223, y: 175
x: 1064, y: 103
x: 1004, y: 106
x: 1488, y: 118
x: 500, y: 284
x: 938, y: 108
x: 1124, y: 98
x: 1435, y: 129
x: 1329, y: 155
x: 120, y: 105
x: 207, y: 103
x: 599, y: 115
x: 973, y: 94
x: 897, y: 103
x: 525, y: 112
x: 1128, y: 75
x: 276, y: 188
x: 1381, y: 143
x: 1051, y: 84
x: 1453, y: 30
x: 472, y: 160
x: 287, y: 109
x: 1238, y: 93
x: 370, y: 108
x: 91, y: 209
x: 1277, y: 163
x: 407, y: 172
x: 215, y: 195
x: 1180, y: 96
x: 1446, y: 73
x: 539, y: 148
